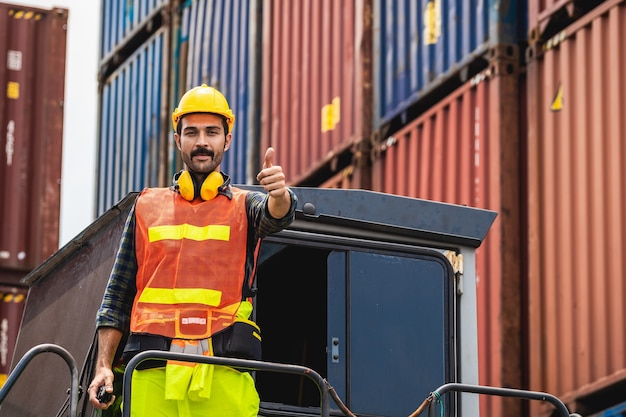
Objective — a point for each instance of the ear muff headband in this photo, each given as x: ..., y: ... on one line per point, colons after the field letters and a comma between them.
x: 208, y: 190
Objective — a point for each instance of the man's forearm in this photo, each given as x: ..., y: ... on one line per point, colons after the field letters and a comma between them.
x: 279, y: 206
x: 108, y: 340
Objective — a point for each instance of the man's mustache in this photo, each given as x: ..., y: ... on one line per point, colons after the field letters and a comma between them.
x: 203, y: 152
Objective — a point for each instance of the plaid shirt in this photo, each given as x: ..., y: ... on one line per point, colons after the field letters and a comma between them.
x: 121, y: 289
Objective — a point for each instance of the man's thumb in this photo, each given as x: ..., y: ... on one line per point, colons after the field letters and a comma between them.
x: 269, y: 155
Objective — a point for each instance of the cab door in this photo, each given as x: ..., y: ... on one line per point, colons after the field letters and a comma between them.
x: 390, y: 329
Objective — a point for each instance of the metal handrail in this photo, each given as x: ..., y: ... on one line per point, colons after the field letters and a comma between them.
x: 506, y: 392
x: 28, y: 356
x: 242, y: 364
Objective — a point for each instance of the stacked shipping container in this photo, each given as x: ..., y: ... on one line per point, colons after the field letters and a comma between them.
x: 32, y: 44
x: 442, y: 138
x: 465, y: 150
x: 314, y: 80
x: 576, y: 221
x: 428, y: 99
x: 420, y: 46
x: 133, y: 146
x: 32, y: 80
x: 316, y: 84
x: 567, y: 181
x: 151, y: 54
x: 121, y: 20
x: 221, y: 40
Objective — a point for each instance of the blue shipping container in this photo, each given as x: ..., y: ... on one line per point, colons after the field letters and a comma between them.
x: 420, y: 44
x: 223, y: 41
x: 121, y: 17
x: 133, y: 138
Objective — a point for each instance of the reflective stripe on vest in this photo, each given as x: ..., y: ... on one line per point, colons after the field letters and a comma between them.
x: 180, y: 296
x: 191, y: 262
x: 188, y: 231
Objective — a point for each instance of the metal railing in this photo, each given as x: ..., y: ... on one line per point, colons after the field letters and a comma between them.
x: 501, y: 392
x: 241, y: 364
x: 28, y: 356
x: 252, y: 365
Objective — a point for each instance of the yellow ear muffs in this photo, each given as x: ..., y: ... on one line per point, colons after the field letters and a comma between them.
x: 208, y: 191
x: 186, y: 187
x: 211, y: 185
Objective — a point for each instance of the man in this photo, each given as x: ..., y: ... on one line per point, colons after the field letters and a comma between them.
x: 182, y: 276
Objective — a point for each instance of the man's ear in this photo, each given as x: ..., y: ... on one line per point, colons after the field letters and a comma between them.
x: 177, y: 139
x: 227, y: 140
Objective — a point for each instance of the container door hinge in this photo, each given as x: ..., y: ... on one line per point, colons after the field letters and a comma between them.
x: 334, y: 350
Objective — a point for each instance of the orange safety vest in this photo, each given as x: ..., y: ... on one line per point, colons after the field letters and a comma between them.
x: 191, y: 259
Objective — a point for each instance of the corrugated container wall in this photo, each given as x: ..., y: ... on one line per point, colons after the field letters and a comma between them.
x: 121, y: 19
x: 32, y: 79
x: 465, y: 150
x: 576, y: 200
x: 223, y: 50
x: 316, y: 82
x: 420, y: 45
x: 135, y: 128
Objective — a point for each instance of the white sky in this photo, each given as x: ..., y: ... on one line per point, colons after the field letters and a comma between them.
x: 80, y: 113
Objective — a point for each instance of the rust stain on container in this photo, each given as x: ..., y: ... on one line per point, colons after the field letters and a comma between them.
x: 32, y: 83
x: 317, y: 83
x: 465, y: 150
x: 576, y: 200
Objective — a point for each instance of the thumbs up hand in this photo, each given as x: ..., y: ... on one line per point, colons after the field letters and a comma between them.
x: 272, y: 179
x: 269, y: 155
x: 271, y: 176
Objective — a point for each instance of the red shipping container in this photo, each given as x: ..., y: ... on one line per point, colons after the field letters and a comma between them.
x: 577, y: 221
x: 32, y: 80
x: 316, y: 91
x: 466, y: 150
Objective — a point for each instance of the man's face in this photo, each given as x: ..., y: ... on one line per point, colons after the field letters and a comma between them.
x: 202, y: 142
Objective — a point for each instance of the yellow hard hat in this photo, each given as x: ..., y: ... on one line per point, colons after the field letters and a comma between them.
x: 203, y: 99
